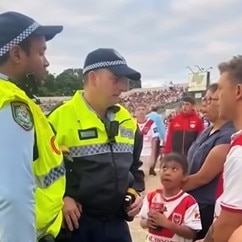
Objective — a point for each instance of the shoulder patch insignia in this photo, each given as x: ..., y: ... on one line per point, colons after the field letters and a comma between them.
x: 22, y: 115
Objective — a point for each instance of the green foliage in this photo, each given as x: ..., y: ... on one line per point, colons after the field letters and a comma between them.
x: 134, y: 84
x: 67, y: 82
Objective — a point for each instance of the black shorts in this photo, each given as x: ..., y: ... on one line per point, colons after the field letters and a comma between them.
x: 207, y: 216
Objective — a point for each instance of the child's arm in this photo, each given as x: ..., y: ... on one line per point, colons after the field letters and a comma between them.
x: 181, y: 230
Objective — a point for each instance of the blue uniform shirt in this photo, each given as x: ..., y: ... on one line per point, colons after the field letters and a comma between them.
x: 17, y: 185
x: 197, y: 155
x: 159, y: 124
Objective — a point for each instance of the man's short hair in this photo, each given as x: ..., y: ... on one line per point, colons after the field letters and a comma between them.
x: 213, y: 87
x: 154, y: 108
x: 233, y: 68
x: 25, y: 46
x: 189, y: 99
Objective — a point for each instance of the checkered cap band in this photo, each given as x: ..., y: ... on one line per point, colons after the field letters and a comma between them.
x: 89, y: 150
x: 22, y: 36
x: 53, y: 175
x: 104, y: 64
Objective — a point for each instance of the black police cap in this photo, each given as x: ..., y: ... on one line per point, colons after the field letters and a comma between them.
x: 16, y: 27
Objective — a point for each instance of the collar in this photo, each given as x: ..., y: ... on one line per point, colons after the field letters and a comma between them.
x: 110, y: 110
x: 4, y: 77
x: 236, y: 135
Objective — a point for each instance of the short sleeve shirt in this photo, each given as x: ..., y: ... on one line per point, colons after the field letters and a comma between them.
x: 197, y: 155
x: 181, y: 209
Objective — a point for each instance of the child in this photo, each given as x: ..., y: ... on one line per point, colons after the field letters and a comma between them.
x: 150, y: 134
x: 169, y: 213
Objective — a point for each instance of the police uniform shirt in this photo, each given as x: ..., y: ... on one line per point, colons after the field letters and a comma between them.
x: 17, y: 208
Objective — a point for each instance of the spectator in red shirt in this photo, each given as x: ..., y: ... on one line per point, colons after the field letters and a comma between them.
x: 183, y: 128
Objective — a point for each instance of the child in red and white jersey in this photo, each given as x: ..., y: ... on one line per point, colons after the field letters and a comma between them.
x: 170, y: 214
x: 150, y: 135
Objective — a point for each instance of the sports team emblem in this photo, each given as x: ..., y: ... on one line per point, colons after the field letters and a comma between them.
x: 192, y: 125
x: 176, y: 218
x: 22, y: 115
x: 196, y: 215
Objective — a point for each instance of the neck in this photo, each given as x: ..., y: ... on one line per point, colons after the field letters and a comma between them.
x: 238, y: 122
x: 94, y: 104
x: 7, y: 71
x: 219, y: 123
x: 141, y: 119
x: 171, y: 192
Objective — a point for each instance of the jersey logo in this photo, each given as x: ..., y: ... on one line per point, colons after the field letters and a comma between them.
x: 22, y: 115
x: 192, y: 124
x: 155, y: 130
x: 177, y: 125
x: 176, y: 218
x: 197, y: 215
x: 87, y: 133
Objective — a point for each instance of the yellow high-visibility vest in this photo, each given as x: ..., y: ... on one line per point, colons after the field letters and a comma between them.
x: 48, y: 168
x: 97, y: 165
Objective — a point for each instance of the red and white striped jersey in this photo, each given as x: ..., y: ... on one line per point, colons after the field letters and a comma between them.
x: 230, y: 198
x: 181, y: 209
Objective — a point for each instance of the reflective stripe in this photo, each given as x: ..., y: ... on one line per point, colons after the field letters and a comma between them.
x: 126, y: 133
x: 18, y: 39
x: 53, y: 175
x: 104, y: 64
x: 97, y: 149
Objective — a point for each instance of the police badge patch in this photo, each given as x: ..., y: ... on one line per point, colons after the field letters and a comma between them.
x: 22, y: 115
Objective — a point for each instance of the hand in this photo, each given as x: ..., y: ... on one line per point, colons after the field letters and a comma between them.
x: 158, y: 218
x: 72, y: 213
x: 135, y: 207
x: 151, y: 224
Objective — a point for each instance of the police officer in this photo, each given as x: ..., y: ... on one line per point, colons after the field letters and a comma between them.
x: 32, y: 174
x: 104, y: 145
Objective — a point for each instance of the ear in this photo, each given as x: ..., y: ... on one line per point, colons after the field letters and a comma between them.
x: 92, y: 78
x: 16, y: 54
x: 238, y: 93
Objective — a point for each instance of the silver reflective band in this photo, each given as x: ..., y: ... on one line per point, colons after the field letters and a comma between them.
x: 104, y: 64
x: 126, y: 133
x: 89, y: 150
x: 22, y: 36
x: 54, y: 174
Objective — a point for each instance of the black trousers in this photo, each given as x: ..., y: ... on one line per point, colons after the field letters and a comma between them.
x: 99, y: 230
x: 207, y: 215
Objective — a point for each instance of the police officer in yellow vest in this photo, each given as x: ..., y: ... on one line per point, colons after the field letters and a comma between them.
x: 32, y: 174
x: 104, y: 146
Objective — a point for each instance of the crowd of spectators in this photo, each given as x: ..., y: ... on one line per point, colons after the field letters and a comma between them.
x: 156, y: 97
x: 150, y: 97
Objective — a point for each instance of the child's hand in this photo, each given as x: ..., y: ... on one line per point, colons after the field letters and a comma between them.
x: 158, y: 218
x: 151, y: 224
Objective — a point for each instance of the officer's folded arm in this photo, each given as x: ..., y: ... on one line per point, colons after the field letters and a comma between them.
x: 17, y: 185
